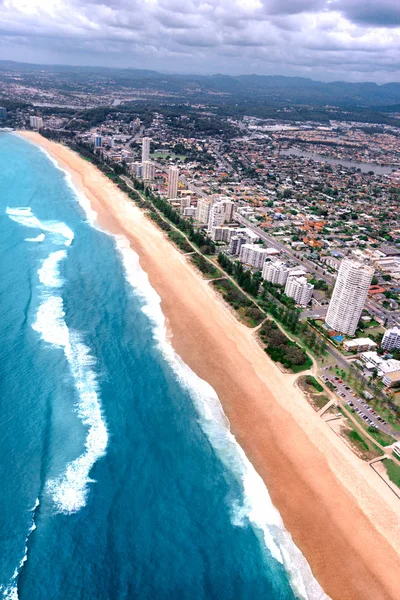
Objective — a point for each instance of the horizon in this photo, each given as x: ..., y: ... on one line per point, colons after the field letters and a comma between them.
x: 193, y: 73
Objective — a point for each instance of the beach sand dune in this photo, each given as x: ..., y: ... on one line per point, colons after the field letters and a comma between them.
x: 340, y: 514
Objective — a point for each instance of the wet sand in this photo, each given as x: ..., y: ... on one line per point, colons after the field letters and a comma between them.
x: 340, y: 514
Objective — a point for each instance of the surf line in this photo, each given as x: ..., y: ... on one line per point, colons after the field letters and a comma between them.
x: 69, y: 491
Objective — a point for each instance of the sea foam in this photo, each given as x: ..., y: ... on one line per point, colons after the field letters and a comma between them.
x: 10, y: 592
x: 61, y: 233
x: 256, y: 507
x: 69, y: 490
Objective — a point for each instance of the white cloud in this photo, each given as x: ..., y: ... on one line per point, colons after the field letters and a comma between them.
x: 322, y: 38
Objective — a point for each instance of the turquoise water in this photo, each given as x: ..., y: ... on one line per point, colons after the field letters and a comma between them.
x: 119, y: 476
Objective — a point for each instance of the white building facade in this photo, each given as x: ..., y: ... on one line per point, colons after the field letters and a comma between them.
x: 173, y: 179
x: 299, y: 289
x: 349, y: 295
x: 220, y: 212
x: 145, y: 149
x: 252, y: 254
x: 36, y: 122
x: 276, y: 272
x: 203, y: 211
x: 391, y: 339
x: 148, y: 170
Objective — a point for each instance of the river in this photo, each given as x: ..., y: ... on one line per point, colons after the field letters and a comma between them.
x: 364, y: 167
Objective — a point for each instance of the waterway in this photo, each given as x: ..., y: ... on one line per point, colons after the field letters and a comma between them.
x: 364, y: 167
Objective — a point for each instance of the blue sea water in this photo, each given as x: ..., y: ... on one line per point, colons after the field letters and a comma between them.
x: 119, y: 476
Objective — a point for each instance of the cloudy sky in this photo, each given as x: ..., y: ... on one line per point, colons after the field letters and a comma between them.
x: 357, y: 40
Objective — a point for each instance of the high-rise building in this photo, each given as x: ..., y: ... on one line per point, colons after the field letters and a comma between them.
x: 36, y: 122
x: 3, y: 112
x: 136, y: 169
x: 220, y: 212
x: 173, y: 179
x: 299, y: 289
x: 254, y: 255
x: 276, y: 272
x: 391, y: 339
x: 349, y: 295
x: 221, y: 234
x: 203, y: 211
x: 185, y: 203
x: 148, y: 171
x: 237, y: 242
x: 145, y: 149
x: 97, y: 141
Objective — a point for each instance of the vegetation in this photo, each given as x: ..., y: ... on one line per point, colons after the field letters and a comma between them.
x: 179, y: 240
x: 246, y: 309
x: 382, y: 438
x: 283, y: 350
x: 248, y: 281
x: 358, y: 440
x: 393, y: 471
x: 205, y: 267
x: 312, y: 382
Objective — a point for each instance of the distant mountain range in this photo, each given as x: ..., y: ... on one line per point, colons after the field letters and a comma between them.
x: 276, y: 90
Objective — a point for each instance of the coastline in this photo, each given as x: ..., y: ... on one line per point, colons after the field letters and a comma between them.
x: 310, y: 475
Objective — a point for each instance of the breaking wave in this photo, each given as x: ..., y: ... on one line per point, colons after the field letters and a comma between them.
x: 256, y: 507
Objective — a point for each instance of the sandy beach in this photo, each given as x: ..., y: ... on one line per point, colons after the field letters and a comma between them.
x: 339, y: 512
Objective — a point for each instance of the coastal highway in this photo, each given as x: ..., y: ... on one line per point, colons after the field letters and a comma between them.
x: 374, y: 308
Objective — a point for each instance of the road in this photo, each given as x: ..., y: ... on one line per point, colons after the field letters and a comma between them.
x: 358, y: 404
x: 374, y: 308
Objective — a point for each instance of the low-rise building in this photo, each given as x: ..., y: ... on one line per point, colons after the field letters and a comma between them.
x: 359, y: 344
x: 383, y: 365
x: 392, y: 379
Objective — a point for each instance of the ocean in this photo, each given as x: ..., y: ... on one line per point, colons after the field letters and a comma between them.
x: 119, y: 476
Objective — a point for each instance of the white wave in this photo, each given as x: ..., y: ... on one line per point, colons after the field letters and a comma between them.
x: 257, y: 507
x: 69, y: 491
x: 49, y: 273
x: 10, y: 592
x: 39, y: 238
x: 24, y: 216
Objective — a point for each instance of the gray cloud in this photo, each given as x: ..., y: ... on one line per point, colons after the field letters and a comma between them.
x: 383, y: 13
x: 328, y: 39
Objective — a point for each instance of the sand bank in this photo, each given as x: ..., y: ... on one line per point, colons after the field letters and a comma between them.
x: 340, y: 514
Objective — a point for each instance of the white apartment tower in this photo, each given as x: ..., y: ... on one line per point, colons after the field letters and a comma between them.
x: 299, y: 289
x: 237, y: 242
x: 173, y: 179
x: 254, y: 255
x: 36, y: 122
x: 276, y: 272
x: 145, y: 148
x: 148, y: 171
x: 349, y: 295
x: 185, y: 203
x: 203, y: 211
x: 391, y: 339
x: 220, y: 212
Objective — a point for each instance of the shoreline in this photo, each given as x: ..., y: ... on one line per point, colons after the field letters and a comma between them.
x: 301, y: 462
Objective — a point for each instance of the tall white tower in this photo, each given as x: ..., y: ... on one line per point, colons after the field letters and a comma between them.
x: 349, y: 295
x: 145, y: 148
x: 173, y: 178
